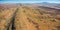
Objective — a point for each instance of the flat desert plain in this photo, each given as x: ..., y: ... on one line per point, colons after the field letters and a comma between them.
x: 29, y: 17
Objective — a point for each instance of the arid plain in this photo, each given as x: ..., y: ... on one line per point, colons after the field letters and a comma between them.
x: 29, y: 17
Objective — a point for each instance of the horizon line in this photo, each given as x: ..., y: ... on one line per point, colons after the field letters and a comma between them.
x: 26, y: 2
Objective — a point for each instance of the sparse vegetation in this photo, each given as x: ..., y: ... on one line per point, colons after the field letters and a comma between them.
x: 23, y: 17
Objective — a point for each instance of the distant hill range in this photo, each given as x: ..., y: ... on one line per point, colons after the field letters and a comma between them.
x: 50, y: 5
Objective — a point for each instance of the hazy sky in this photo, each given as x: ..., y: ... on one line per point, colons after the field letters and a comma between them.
x: 28, y: 1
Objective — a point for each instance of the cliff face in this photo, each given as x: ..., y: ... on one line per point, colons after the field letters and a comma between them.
x: 24, y: 17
